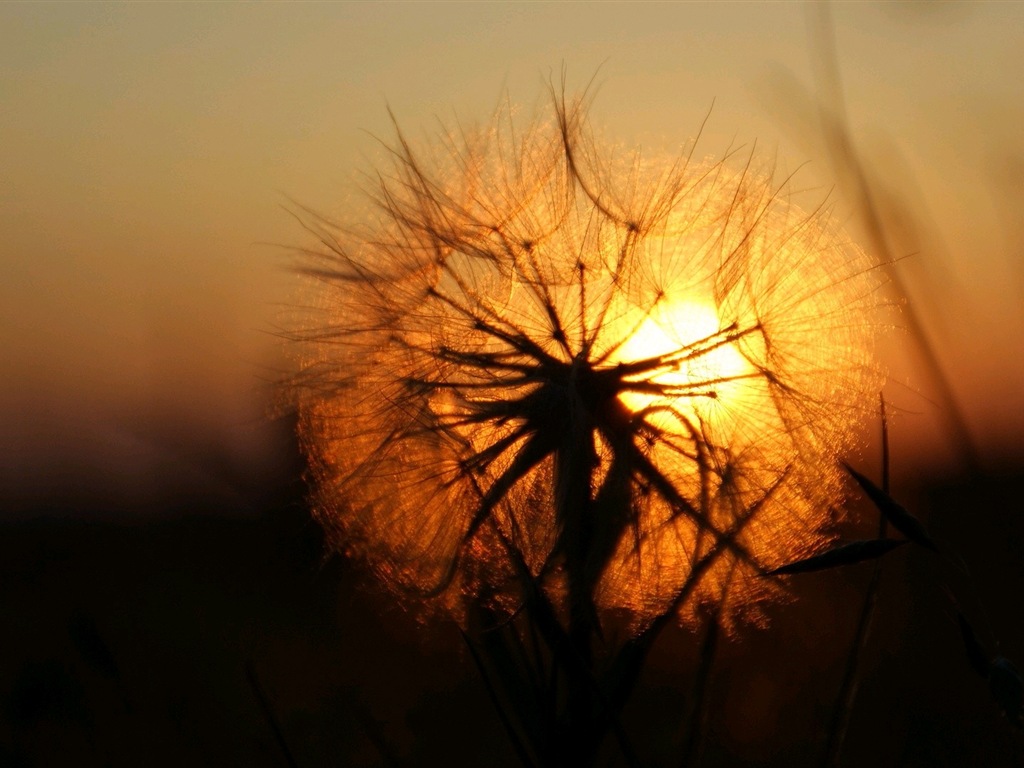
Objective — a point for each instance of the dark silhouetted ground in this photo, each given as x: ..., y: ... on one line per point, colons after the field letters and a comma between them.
x: 128, y: 645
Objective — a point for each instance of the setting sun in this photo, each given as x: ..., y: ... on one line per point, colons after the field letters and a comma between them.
x: 701, y: 361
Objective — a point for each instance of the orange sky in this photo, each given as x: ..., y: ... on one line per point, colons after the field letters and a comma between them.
x: 146, y: 150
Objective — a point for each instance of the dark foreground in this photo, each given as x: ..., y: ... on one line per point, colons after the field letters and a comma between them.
x: 205, y: 639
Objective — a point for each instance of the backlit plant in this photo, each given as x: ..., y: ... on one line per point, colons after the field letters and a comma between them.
x: 581, y: 392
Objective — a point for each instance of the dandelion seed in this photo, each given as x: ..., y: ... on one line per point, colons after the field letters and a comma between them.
x: 626, y: 376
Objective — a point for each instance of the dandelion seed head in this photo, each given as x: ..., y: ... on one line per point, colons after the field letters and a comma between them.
x: 547, y: 361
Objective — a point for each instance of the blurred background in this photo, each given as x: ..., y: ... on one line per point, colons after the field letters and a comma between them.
x: 165, y: 599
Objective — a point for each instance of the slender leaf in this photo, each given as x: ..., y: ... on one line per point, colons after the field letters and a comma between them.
x: 845, y: 554
x: 894, y: 512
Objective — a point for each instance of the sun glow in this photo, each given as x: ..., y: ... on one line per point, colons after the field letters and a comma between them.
x: 702, y: 363
x: 627, y: 389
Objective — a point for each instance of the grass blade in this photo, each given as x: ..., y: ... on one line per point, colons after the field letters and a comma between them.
x: 845, y: 554
x: 894, y: 512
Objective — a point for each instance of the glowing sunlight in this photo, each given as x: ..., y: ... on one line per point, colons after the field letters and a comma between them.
x: 701, y: 363
x: 630, y: 380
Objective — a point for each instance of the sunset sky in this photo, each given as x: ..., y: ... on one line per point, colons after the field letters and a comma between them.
x: 148, y: 152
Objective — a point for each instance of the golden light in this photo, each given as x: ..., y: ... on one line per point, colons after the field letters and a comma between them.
x: 628, y: 383
x: 702, y: 366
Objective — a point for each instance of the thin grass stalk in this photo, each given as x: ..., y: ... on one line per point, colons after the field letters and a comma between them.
x: 268, y: 713
x: 557, y: 747
x: 848, y: 688
x: 373, y: 732
x: 835, y: 124
x: 629, y: 662
x: 513, y: 734
x: 693, y: 744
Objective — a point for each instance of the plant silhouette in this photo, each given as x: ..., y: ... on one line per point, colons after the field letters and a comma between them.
x: 567, y: 395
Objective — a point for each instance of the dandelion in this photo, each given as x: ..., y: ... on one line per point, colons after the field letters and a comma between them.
x: 545, y: 366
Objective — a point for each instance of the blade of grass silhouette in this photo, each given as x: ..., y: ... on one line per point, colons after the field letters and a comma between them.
x: 268, y: 713
x: 894, y: 512
x: 848, y: 163
x: 885, y: 443
x: 625, y: 669
x: 565, y: 656
x: 501, y: 640
x: 376, y: 736
x: 844, y: 554
x: 693, y: 739
x: 510, y: 729
x: 840, y: 722
x: 1005, y: 683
